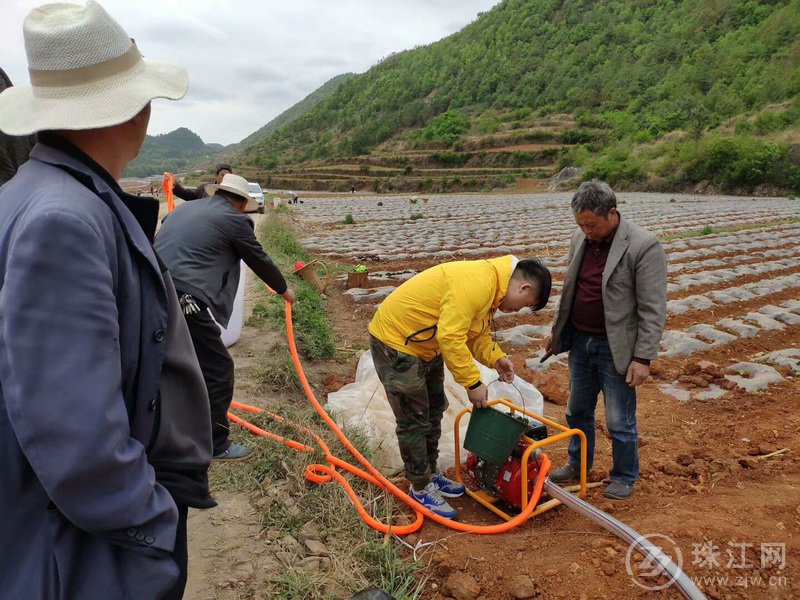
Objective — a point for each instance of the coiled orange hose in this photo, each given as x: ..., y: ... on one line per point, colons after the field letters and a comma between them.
x: 324, y: 473
x: 319, y: 473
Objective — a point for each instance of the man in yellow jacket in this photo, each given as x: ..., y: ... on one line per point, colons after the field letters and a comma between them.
x: 439, y: 317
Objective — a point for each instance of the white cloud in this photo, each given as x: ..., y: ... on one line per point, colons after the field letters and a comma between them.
x: 248, y: 61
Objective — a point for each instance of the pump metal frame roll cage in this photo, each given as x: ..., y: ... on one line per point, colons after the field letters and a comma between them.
x: 531, y: 447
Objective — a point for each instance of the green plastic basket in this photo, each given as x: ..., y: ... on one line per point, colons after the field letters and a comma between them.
x: 493, y: 435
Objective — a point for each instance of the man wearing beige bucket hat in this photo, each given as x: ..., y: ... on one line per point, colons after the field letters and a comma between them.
x: 203, y: 243
x: 104, y: 423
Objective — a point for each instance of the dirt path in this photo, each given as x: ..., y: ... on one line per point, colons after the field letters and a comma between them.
x: 223, y: 548
x: 226, y: 551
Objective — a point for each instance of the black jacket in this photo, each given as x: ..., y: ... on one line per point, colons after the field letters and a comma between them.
x: 190, y: 194
x: 202, y: 242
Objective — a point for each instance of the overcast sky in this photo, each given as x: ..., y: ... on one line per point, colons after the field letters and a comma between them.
x: 249, y: 60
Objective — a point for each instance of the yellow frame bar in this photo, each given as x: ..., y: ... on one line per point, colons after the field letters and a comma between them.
x: 532, y: 446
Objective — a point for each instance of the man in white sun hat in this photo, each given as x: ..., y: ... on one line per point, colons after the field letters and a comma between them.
x: 202, y: 243
x: 104, y: 422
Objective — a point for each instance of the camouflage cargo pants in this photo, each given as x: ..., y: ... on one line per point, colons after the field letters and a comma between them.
x: 415, y: 390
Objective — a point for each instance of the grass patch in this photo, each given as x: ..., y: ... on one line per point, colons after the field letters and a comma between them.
x: 312, y: 330
x: 274, y: 479
x: 280, y: 243
x: 277, y: 369
x: 360, y: 557
x: 348, y: 219
x: 397, y: 576
x: 298, y: 584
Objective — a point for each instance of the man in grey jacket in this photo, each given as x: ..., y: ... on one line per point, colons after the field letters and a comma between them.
x: 104, y: 426
x: 202, y: 243
x: 610, y: 318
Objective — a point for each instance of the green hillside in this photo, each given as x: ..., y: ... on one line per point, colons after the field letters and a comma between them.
x: 175, y: 151
x: 722, y: 74
x: 296, y: 111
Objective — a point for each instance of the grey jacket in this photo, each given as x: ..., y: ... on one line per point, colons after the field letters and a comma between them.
x: 634, y: 294
x: 84, y: 327
x: 202, y: 242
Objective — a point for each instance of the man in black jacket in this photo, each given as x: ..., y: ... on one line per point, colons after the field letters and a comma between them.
x: 201, y: 243
x: 200, y: 192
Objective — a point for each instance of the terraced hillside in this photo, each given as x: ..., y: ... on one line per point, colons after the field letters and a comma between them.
x: 531, y: 152
x: 668, y: 95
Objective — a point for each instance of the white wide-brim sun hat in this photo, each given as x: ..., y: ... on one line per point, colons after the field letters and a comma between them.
x: 235, y: 184
x: 85, y: 71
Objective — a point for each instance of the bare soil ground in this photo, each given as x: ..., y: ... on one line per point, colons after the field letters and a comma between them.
x: 720, y: 479
x: 702, y: 482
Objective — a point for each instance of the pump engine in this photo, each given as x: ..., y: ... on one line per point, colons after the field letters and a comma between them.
x: 505, y: 481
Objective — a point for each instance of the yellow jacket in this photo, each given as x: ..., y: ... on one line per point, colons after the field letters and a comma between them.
x: 447, y: 310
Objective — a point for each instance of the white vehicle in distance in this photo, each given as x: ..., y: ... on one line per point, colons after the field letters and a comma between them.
x: 257, y: 194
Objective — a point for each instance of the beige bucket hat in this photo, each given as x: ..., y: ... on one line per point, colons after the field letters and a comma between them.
x: 85, y: 73
x: 235, y: 184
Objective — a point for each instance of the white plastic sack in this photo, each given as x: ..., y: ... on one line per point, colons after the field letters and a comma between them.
x: 362, y: 406
x: 232, y: 333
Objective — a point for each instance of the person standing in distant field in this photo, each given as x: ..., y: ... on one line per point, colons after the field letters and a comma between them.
x: 200, y: 191
x: 105, y: 436
x: 610, y: 318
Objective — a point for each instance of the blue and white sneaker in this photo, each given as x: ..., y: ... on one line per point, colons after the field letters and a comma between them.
x: 431, y: 498
x: 448, y: 487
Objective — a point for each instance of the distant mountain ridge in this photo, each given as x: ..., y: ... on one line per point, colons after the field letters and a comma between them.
x: 175, y: 151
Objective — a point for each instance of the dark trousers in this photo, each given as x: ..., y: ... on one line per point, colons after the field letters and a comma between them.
x: 415, y: 390
x: 217, y: 366
x: 180, y: 555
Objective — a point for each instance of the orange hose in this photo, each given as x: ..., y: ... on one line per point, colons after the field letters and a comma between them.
x: 319, y: 473
x: 276, y: 438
